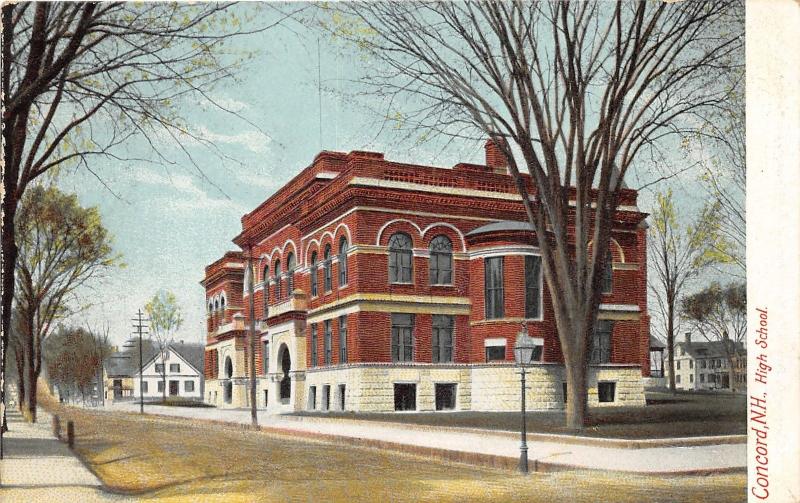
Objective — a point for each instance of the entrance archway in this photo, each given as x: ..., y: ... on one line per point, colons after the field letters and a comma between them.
x: 228, y: 386
x: 286, y: 364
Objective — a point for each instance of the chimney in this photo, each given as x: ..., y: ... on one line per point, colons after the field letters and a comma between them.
x: 495, y: 159
x: 688, y: 337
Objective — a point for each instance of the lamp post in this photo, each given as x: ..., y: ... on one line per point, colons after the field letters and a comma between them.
x: 523, y: 351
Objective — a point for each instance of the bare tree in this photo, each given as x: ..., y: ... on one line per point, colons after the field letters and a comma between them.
x: 165, y: 319
x: 676, y: 255
x: 720, y: 315
x: 580, y: 90
x: 80, y: 79
x: 62, y: 247
x: 74, y: 358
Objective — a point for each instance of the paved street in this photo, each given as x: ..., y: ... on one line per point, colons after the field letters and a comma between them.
x: 547, y: 455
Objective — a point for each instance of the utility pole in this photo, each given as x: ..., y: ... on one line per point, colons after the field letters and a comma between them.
x: 250, y: 279
x: 139, y: 325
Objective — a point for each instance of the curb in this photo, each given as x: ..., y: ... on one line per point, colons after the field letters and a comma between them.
x: 620, y: 443
x: 449, y: 455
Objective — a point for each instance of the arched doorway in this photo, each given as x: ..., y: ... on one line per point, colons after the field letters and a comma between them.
x: 286, y: 365
x: 228, y: 386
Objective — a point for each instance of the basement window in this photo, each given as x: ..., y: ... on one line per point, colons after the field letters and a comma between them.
x: 606, y: 391
x: 405, y: 396
x: 445, y: 396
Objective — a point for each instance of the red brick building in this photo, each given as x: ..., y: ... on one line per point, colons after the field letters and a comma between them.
x: 386, y: 286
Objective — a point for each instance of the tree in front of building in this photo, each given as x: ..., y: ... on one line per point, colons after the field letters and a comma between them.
x: 676, y: 255
x: 165, y: 319
x: 579, y: 91
x: 719, y: 314
x: 62, y: 247
x: 80, y: 80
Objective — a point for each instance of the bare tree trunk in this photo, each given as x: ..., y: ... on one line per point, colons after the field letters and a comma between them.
x: 33, y: 375
x: 20, y: 379
x: 671, y: 342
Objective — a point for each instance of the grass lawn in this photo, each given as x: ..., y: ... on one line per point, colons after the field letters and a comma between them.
x: 682, y: 415
x: 160, y: 459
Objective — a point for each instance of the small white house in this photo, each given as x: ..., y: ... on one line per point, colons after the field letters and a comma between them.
x: 184, y: 375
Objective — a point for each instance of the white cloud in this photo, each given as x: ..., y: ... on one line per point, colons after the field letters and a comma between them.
x: 252, y: 140
x: 191, y: 197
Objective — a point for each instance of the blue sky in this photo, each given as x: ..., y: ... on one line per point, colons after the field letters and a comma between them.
x: 169, y: 222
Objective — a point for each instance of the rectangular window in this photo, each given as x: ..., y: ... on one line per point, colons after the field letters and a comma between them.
x: 445, y: 396
x: 691, y: 364
x: 495, y: 353
x: 343, y: 339
x: 402, y: 337
x: 188, y: 386
x: 159, y: 368
x: 442, y: 339
x: 313, y: 345
x: 702, y: 378
x: 328, y: 275
x: 144, y: 387
x: 405, y: 396
x: 703, y: 364
x: 314, y: 280
x: 564, y: 391
x: 533, y: 286
x: 342, y: 396
x: 678, y: 365
x: 601, y: 342
x: 677, y: 379
x: 493, y: 281
x: 265, y: 356
x: 175, y: 367
x: 160, y: 386
x: 607, y: 279
x: 326, y: 397
x: 327, y: 342
x: 312, y: 397
x: 605, y: 391
x: 691, y: 377
x: 342, y: 269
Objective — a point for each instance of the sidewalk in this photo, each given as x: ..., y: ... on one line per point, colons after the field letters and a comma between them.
x: 38, y: 467
x: 483, y: 447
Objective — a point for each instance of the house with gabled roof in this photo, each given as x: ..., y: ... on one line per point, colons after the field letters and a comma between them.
x: 710, y: 365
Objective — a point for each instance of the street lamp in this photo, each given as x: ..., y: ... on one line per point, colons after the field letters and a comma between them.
x: 523, y: 351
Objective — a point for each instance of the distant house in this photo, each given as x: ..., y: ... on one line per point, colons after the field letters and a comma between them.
x: 183, y: 364
x: 705, y: 365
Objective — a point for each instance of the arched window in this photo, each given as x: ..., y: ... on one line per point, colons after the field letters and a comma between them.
x: 277, y: 280
x: 327, y: 269
x: 290, y: 274
x: 441, y: 261
x: 314, y: 292
x: 342, y: 262
x: 400, y: 258
x: 266, y: 290
x: 222, y: 305
x: 211, y: 306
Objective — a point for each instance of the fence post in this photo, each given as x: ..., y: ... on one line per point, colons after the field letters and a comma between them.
x: 70, y: 434
x: 56, y: 427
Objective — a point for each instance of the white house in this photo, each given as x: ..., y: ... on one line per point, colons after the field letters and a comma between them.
x: 182, y: 363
